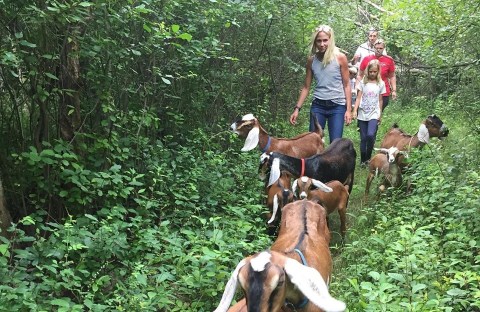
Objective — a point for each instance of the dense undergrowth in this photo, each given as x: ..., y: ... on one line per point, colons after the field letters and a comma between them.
x: 167, y: 236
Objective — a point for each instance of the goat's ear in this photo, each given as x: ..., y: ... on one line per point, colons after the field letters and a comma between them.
x: 321, y: 186
x: 274, y: 171
x: 230, y: 289
x: 252, y: 140
x: 275, y: 207
x: 423, y: 135
x: 404, y: 153
x: 312, y: 285
x: 294, y: 187
x: 381, y: 150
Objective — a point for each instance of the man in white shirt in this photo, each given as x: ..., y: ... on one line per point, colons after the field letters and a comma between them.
x: 366, y: 48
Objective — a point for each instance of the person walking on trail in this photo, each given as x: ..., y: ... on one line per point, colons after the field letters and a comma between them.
x: 368, y: 109
x: 366, y: 48
x: 332, y: 101
x: 387, y: 71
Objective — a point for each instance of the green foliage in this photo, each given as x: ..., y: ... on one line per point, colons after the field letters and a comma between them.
x: 153, y: 240
x: 419, y: 252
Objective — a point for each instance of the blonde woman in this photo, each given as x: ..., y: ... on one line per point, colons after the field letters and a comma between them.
x: 368, y: 109
x: 332, y: 101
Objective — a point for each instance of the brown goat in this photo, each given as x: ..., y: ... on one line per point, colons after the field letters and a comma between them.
x: 431, y: 127
x: 272, y: 280
x: 337, y: 199
x: 303, y: 145
x: 387, y: 163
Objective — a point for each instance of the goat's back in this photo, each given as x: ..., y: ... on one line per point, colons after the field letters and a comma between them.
x: 378, y: 163
x: 303, y: 226
x: 337, y: 162
x: 396, y: 137
x: 332, y: 200
x: 302, y: 146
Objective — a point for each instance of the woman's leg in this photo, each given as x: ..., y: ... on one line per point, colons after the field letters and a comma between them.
x: 336, y: 120
x: 318, y: 112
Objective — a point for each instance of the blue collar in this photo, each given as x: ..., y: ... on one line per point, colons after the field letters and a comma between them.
x: 305, y: 300
x: 268, y: 145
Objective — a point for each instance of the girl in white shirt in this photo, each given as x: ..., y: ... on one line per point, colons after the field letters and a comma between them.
x: 368, y: 109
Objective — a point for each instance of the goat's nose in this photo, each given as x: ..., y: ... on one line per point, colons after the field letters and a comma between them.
x: 233, y: 127
x: 444, y: 127
x: 303, y: 195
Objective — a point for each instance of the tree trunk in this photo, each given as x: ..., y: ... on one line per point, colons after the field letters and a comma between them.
x: 5, y: 218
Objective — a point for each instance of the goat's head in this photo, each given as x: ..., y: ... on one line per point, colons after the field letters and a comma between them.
x: 392, y: 153
x: 269, y: 165
x: 264, y: 166
x: 248, y: 128
x: 305, y: 184
x: 265, y: 279
x: 282, y: 196
x: 435, y: 127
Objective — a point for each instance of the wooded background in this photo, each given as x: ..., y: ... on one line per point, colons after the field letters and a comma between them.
x: 124, y: 185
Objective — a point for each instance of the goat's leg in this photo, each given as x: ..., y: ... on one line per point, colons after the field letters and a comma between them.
x: 370, y: 177
x: 342, y: 212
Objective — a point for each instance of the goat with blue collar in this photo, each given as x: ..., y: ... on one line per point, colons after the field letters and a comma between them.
x: 303, y: 145
x: 294, y: 274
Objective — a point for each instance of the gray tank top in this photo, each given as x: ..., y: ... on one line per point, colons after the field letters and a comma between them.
x: 329, y: 81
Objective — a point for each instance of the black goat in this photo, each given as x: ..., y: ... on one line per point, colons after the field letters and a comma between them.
x: 337, y: 162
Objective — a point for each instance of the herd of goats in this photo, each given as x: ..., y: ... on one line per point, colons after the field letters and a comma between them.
x: 293, y: 275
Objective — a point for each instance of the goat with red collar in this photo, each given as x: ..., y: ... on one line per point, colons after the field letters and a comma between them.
x: 337, y: 162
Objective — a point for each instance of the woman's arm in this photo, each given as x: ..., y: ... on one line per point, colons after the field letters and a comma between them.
x: 343, y: 62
